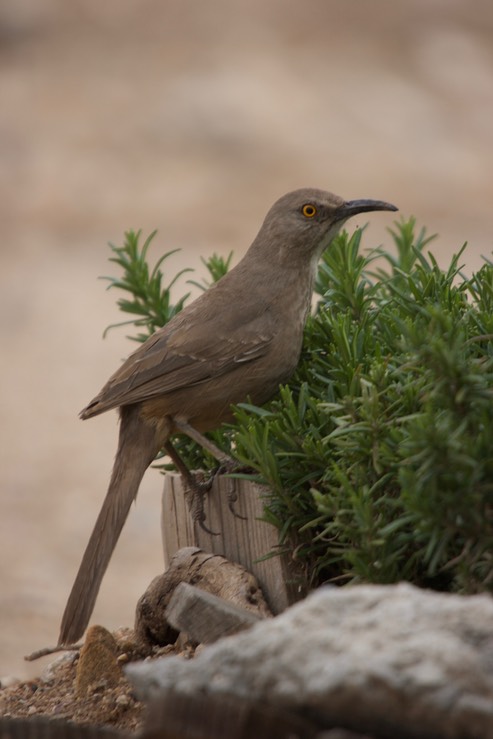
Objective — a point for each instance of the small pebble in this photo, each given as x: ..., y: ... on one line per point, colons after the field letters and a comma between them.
x: 123, y: 701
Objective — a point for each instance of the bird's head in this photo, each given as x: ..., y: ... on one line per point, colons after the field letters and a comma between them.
x: 302, y: 223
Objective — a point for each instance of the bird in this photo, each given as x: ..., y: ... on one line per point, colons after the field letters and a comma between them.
x: 239, y: 340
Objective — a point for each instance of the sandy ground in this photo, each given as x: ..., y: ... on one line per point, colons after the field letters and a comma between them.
x: 190, y: 118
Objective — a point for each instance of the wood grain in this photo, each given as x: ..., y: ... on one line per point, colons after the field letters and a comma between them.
x: 246, y: 541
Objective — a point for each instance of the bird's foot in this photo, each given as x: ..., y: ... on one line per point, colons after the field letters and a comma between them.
x: 195, y: 490
x: 232, y: 499
x: 227, y: 468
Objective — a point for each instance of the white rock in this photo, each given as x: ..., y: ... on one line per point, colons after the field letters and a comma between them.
x: 372, y: 658
x: 9, y: 681
x: 50, y: 671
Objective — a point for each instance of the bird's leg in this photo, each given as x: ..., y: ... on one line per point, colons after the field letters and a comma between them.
x: 194, y: 490
x: 224, y: 459
x: 226, y: 463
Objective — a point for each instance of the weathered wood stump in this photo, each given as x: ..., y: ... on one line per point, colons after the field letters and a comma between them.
x: 247, y: 540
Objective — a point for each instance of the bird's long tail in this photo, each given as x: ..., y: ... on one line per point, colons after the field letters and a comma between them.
x: 139, y: 442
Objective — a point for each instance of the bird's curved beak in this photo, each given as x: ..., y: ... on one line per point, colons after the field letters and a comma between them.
x: 353, y: 207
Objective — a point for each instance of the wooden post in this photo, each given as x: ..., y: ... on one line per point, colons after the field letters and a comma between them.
x: 243, y: 540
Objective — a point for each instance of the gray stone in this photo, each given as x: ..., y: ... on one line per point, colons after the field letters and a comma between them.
x: 393, y: 660
x: 204, y: 617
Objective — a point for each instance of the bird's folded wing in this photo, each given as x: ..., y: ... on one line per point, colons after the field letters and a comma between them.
x: 170, y: 361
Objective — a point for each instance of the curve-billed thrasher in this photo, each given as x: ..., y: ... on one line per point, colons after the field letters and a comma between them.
x: 238, y: 340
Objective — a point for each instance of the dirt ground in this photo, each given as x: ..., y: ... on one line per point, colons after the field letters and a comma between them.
x: 191, y: 118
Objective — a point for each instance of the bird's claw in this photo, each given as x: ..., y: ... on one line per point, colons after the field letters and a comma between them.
x: 232, y: 498
x: 226, y: 468
x: 195, y: 490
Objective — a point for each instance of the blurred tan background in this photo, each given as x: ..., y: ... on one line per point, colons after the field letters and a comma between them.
x: 190, y: 117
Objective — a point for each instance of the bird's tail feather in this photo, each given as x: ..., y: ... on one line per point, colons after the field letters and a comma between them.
x: 138, y: 445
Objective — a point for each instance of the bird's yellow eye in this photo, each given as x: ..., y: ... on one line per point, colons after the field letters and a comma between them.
x: 309, y: 210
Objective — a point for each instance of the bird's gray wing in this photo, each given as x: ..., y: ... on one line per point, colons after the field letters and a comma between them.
x: 179, y: 356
